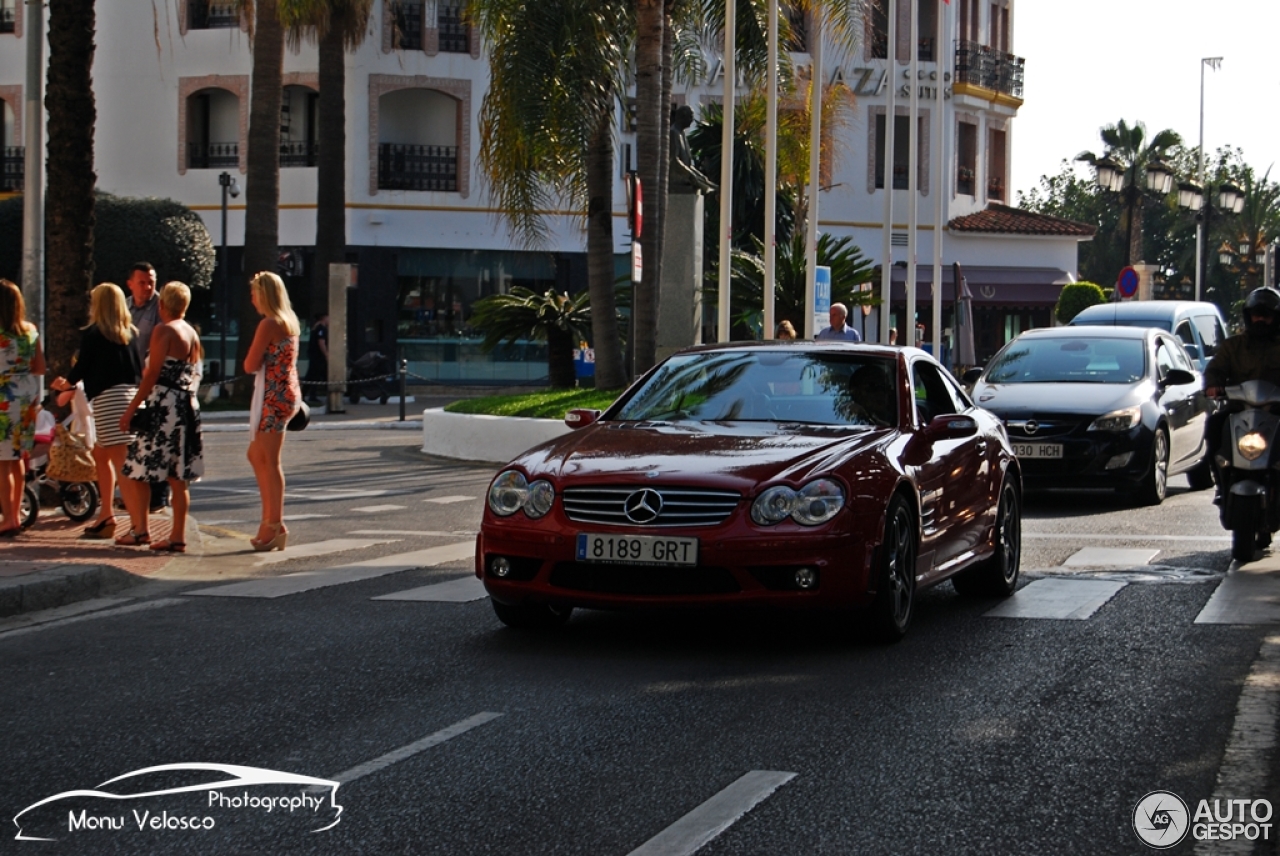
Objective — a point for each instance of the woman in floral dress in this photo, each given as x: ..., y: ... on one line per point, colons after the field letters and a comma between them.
x: 21, y: 364
x: 273, y: 357
x: 171, y: 449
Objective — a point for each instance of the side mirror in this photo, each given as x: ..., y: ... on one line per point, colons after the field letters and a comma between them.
x: 951, y: 426
x: 581, y: 417
x: 970, y: 377
x: 1177, y: 377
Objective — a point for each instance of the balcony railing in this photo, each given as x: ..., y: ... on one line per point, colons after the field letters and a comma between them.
x: 6, y: 19
x: 212, y: 16
x: 979, y: 65
x: 12, y: 168
x: 212, y: 155
x: 408, y: 167
x: 455, y: 35
x: 298, y: 153
x: 408, y: 26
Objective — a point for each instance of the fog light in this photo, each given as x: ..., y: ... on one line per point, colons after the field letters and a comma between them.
x: 1119, y: 461
x: 499, y: 566
x: 806, y: 578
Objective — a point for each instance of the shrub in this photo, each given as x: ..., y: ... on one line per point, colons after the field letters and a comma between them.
x: 1077, y: 297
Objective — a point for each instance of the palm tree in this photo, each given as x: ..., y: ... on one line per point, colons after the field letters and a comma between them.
x: 558, y: 319
x: 546, y: 132
x: 1127, y: 149
x: 340, y: 25
x: 69, y: 196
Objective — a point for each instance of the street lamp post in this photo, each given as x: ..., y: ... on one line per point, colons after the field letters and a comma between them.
x: 232, y: 189
x: 1194, y: 197
x: 1201, y: 228
x: 1115, y: 178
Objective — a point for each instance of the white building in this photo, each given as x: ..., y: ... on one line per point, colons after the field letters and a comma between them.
x: 172, y: 83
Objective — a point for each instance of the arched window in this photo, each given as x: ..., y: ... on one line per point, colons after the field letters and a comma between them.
x: 298, y: 130
x: 213, y: 129
x: 418, y: 140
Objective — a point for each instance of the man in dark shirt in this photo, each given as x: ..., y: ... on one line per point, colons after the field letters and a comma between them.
x: 317, y: 359
x: 144, y: 309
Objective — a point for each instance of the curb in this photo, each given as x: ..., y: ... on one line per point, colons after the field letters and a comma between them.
x: 60, y: 585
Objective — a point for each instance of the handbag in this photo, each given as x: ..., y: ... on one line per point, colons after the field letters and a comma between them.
x: 300, y: 419
x: 70, y: 459
x: 143, y: 420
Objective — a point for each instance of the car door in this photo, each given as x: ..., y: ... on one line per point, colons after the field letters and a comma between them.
x: 1186, y: 333
x: 949, y: 481
x: 1182, y: 403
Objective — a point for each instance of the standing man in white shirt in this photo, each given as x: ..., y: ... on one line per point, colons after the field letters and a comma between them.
x: 144, y: 309
x: 838, y: 331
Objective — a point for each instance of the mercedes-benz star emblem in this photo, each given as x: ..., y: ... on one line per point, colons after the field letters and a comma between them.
x: 643, y: 506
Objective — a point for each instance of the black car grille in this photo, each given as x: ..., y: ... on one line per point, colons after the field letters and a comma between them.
x: 643, y: 579
x: 1045, y: 426
x: 679, y: 506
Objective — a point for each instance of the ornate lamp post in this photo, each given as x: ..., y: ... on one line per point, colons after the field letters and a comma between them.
x: 229, y: 188
x: 1115, y: 178
x: 1193, y: 197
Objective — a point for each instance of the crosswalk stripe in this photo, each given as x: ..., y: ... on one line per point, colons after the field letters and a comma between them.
x: 1247, y: 595
x: 1105, y: 557
x: 691, y: 832
x: 308, y: 580
x: 377, y: 509
x: 454, y: 591
x: 320, y: 548
x: 1073, y: 600
x: 446, y: 500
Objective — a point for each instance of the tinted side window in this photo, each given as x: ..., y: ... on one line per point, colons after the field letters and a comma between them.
x: 932, y: 394
x: 1188, y: 338
x: 1169, y: 355
x: 1211, y: 332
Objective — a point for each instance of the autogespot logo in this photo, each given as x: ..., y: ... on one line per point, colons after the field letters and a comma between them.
x: 1160, y: 819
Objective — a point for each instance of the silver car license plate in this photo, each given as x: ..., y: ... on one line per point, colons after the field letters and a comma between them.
x: 637, y: 550
x: 1038, y: 450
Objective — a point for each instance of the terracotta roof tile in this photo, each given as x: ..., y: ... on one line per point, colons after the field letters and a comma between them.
x: 1015, y: 221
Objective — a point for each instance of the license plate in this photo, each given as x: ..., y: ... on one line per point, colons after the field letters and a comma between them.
x: 1038, y: 450
x: 637, y: 550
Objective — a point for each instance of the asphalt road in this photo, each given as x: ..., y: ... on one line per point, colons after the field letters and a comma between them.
x: 454, y: 735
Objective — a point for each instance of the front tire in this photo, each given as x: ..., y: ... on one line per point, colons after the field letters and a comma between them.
x: 30, y: 507
x: 531, y: 616
x: 998, y: 575
x: 1200, y: 477
x: 894, y: 605
x: 1155, y: 484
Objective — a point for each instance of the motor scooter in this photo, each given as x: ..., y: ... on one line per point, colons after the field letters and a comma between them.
x: 1247, y: 465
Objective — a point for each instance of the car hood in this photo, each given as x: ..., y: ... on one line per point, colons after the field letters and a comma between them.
x: 731, y: 455
x: 1012, y: 399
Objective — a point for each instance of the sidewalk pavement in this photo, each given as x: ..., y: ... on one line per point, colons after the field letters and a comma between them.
x: 50, y: 565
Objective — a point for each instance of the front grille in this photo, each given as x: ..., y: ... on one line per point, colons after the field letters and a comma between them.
x: 680, y: 506
x: 643, y: 579
x: 1047, y: 426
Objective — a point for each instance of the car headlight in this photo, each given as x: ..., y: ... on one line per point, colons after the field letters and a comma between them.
x: 815, y: 503
x: 511, y: 492
x: 1252, y: 445
x: 1118, y: 420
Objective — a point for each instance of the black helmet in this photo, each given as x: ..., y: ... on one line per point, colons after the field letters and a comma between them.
x: 1266, y: 300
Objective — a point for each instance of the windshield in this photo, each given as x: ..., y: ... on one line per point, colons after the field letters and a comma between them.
x: 769, y: 386
x: 1070, y: 360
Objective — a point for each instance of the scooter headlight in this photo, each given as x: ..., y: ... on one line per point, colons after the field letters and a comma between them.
x: 1252, y: 446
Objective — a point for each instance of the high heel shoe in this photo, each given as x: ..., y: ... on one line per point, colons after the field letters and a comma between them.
x: 103, y: 529
x: 134, y: 539
x: 278, y: 542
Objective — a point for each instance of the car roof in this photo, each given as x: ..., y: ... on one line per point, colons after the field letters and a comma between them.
x: 1090, y: 331
x: 803, y: 345
x: 1143, y: 309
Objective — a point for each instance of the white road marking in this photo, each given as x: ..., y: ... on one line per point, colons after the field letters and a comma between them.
x: 1249, y: 594
x: 1069, y: 599
x: 319, y: 548
x: 228, y: 522
x: 691, y: 832
x: 445, y: 500
x: 288, y: 517
x: 414, y: 748
x: 378, y: 509
x: 461, y: 590
x: 105, y: 613
x: 1060, y: 536
x: 338, y: 494
x: 324, y: 577
x: 1246, y: 763
x: 1107, y: 557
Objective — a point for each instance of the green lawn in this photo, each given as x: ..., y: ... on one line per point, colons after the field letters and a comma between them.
x: 544, y: 404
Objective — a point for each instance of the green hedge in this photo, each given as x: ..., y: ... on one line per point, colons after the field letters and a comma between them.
x: 1077, y: 297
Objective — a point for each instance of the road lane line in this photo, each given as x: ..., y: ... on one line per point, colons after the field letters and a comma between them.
x: 1246, y: 763
x: 378, y: 509
x: 446, y: 500
x: 691, y: 832
x: 432, y: 533
x: 384, y: 761
x: 319, y: 548
x: 1070, y: 600
x: 323, y: 577
x: 462, y: 590
x: 1248, y: 594
x: 104, y: 613
x: 1063, y: 536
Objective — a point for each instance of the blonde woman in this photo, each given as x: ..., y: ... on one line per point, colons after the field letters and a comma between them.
x: 171, y: 449
x: 21, y: 364
x: 273, y: 357
x: 109, y: 367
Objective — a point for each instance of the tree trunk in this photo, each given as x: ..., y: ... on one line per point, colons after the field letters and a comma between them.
x: 70, y: 178
x: 610, y: 373
x: 331, y: 168
x: 262, y: 181
x: 560, y: 345
x: 664, y: 156
x: 649, y: 114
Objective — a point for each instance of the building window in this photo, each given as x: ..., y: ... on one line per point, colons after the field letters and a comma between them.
x: 407, y: 24
x: 12, y: 168
x: 878, y: 30
x: 205, y: 15
x: 298, y: 130
x: 454, y: 33
x: 213, y: 130
x: 967, y: 159
x: 996, y: 170
x: 901, y: 147
x: 8, y: 16
x: 878, y: 26
x: 417, y: 141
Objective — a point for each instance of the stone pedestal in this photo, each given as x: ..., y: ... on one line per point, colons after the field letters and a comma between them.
x: 680, y: 292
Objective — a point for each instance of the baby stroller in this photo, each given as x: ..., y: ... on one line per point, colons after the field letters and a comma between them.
x: 371, y: 377
x: 79, y: 500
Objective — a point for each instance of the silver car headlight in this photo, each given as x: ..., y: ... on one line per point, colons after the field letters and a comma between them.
x: 814, y: 504
x: 1118, y: 420
x: 511, y: 492
x: 1252, y: 446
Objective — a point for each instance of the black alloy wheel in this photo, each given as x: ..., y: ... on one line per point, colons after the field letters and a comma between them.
x: 895, y: 575
x: 998, y: 575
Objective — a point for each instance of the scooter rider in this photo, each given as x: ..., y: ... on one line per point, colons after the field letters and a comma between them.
x: 1251, y: 355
